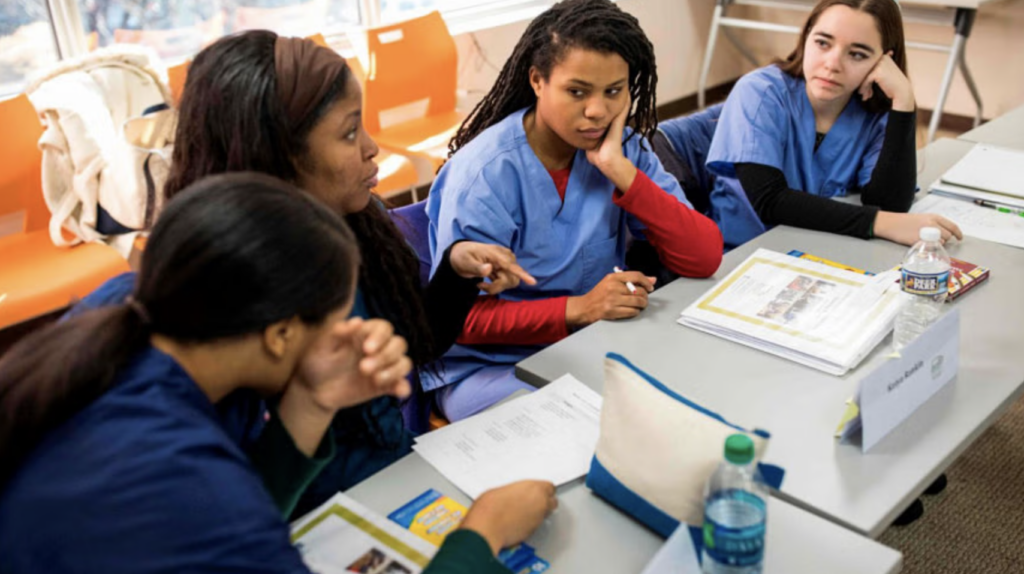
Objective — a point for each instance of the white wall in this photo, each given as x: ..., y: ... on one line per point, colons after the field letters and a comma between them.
x: 678, y: 29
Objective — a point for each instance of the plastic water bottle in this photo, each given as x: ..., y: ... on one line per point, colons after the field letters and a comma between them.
x: 734, y: 512
x: 925, y: 282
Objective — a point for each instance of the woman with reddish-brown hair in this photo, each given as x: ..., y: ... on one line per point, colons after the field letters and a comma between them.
x: 836, y: 117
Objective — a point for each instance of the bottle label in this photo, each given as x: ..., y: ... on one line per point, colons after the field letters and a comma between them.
x: 933, y: 284
x: 734, y: 545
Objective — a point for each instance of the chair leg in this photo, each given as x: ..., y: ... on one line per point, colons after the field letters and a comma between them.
x: 709, y: 51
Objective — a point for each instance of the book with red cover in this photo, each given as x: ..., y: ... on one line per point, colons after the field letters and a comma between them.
x: 963, y: 276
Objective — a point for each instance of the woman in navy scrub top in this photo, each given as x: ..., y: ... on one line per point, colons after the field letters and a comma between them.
x: 116, y: 455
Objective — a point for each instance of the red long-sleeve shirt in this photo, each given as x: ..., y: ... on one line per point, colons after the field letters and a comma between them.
x: 688, y: 243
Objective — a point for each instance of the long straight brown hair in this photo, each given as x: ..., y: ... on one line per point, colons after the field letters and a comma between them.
x: 889, y: 22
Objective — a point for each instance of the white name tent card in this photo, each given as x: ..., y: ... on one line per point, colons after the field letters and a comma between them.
x: 891, y: 393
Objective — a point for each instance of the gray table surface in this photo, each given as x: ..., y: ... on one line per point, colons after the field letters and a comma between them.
x: 801, y: 406
x: 588, y: 535
x: 1007, y: 131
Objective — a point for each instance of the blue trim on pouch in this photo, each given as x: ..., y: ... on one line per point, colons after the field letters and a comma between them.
x: 619, y: 495
x: 661, y: 387
x: 771, y: 474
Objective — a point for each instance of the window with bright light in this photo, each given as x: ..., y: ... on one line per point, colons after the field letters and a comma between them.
x: 179, y: 28
x: 396, y: 10
x: 26, y: 42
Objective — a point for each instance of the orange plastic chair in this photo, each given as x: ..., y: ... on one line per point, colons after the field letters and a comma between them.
x: 397, y: 173
x: 410, y: 62
x: 176, y: 80
x: 37, y: 277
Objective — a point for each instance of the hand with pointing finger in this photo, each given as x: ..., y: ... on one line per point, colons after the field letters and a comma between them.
x: 495, y: 263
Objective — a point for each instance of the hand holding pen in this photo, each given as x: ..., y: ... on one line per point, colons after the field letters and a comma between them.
x: 620, y: 295
x: 629, y: 284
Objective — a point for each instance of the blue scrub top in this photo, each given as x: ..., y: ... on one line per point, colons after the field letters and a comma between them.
x: 768, y: 119
x: 495, y: 190
x: 145, y: 479
x: 368, y: 437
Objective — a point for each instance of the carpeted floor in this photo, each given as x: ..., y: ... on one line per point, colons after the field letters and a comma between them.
x: 975, y: 526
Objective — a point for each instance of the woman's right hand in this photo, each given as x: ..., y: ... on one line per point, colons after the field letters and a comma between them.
x: 610, y: 299
x: 905, y: 228
x: 354, y: 361
x: 507, y: 515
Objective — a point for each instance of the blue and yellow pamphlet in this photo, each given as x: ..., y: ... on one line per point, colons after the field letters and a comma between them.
x: 432, y: 516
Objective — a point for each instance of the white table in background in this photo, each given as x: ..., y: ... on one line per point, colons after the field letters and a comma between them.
x: 801, y: 406
x: 587, y: 535
x: 1007, y: 131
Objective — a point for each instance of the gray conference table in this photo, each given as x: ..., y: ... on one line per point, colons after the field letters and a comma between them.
x: 588, y: 535
x: 801, y: 406
x: 1007, y: 131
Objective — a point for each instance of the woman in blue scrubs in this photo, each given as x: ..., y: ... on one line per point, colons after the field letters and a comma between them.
x: 546, y: 166
x: 835, y: 118
x: 116, y: 456
x: 287, y: 107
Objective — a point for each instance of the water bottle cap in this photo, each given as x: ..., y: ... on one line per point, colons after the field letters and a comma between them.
x: 930, y: 234
x: 739, y: 449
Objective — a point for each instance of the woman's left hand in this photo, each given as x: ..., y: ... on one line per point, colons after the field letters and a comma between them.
x: 609, y: 157
x: 472, y: 259
x: 893, y: 83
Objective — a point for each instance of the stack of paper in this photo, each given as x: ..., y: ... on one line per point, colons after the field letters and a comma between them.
x: 819, y: 316
x: 974, y: 220
x: 547, y: 435
x: 986, y: 172
x: 343, y: 536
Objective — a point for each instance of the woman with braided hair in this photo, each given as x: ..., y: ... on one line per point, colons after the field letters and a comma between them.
x: 554, y: 165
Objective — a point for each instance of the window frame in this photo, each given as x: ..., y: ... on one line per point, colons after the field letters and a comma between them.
x: 70, y: 37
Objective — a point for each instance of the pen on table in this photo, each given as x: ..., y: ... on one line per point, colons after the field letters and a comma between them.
x: 999, y: 208
x: 629, y: 284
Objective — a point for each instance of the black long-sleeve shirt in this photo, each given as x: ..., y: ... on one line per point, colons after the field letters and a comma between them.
x: 891, y: 188
x: 448, y: 299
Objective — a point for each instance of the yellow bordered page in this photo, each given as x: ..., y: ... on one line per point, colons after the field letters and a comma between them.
x: 343, y: 536
x: 825, y: 318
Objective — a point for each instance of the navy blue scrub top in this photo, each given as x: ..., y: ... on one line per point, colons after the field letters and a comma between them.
x: 148, y: 478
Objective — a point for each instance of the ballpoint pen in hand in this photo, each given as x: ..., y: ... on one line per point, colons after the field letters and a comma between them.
x: 629, y: 284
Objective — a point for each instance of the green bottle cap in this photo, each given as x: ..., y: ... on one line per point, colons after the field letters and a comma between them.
x: 739, y: 449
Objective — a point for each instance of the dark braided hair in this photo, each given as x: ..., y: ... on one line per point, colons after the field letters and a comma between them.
x: 230, y: 119
x: 597, y: 25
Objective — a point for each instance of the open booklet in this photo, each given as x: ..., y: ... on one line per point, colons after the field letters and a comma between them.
x: 825, y: 318
x: 343, y: 536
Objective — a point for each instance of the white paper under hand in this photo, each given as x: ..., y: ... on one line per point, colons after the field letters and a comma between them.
x: 549, y: 434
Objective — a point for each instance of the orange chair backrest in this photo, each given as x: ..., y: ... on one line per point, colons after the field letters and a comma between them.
x: 176, y: 76
x: 21, y: 184
x: 318, y: 39
x: 353, y: 63
x: 410, y: 61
